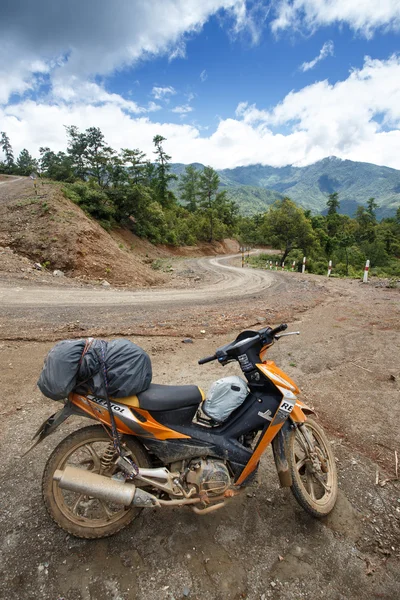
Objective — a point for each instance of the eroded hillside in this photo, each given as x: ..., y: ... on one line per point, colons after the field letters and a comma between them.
x: 49, y: 229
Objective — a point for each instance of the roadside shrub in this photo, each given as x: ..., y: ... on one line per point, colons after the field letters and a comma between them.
x: 91, y: 198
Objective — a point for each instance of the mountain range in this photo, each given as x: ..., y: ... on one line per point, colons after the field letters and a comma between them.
x: 255, y: 187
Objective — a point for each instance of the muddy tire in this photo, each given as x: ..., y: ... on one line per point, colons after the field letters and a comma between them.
x: 80, y: 515
x: 314, y: 489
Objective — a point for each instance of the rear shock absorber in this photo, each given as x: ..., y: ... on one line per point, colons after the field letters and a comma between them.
x: 107, y: 457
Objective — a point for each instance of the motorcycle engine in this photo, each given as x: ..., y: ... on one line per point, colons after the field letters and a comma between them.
x: 209, y: 475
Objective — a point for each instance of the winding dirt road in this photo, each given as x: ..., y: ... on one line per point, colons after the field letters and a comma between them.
x: 229, y: 283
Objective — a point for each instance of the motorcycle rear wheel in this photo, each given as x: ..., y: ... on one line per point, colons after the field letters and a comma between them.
x: 314, y: 489
x: 79, y: 515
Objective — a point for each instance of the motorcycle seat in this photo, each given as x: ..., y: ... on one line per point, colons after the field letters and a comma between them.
x: 169, y: 397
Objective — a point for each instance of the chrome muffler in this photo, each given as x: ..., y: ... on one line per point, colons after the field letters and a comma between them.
x: 104, y: 488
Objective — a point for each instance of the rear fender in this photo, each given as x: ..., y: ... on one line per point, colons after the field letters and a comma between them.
x: 53, y: 422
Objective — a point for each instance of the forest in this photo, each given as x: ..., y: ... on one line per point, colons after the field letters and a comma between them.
x: 128, y: 189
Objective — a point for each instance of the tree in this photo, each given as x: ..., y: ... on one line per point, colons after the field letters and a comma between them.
x: 26, y: 163
x: 163, y: 175
x: 208, y: 194
x: 135, y: 164
x: 333, y: 204
x: 333, y: 220
x: 189, y: 187
x: 371, y: 207
x: 77, y: 144
x: 55, y: 166
x: 8, y: 151
x: 97, y: 155
x: 366, y: 225
x: 287, y: 228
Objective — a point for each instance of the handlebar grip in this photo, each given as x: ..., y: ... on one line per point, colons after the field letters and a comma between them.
x: 278, y: 329
x: 207, y: 359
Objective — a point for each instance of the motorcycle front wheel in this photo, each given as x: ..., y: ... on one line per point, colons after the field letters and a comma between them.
x: 314, y: 475
x: 83, y: 516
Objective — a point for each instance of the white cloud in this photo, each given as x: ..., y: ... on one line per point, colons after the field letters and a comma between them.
x: 357, y: 118
x: 363, y: 16
x: 93, y: 38
x: 203, y: 76
x: 183, y: 109
x: 161, y: 92
x: 326, y: 50
x: 249, y: 18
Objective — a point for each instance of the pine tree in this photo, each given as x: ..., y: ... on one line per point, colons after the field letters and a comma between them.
x: 26, y: 163
x: 189, y: 187
x: 135, y: 164
x: 208, y: 194
x: 77, y: 144
x: 8, y: 151
x: 163, y: 175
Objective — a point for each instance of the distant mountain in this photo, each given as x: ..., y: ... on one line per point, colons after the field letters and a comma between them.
x: 256, y: 186
x: 250, y: 198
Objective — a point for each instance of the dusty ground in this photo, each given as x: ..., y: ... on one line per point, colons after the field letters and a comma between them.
x: 262, y: 545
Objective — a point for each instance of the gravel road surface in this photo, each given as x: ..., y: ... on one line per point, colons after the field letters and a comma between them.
x: 261, y: 545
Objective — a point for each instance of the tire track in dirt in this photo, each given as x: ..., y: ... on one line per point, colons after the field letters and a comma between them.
x: 231, y: 282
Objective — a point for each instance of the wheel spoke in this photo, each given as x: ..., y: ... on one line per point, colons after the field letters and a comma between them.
x: 94, y: 455
x: 310, y: 485
x: 301, y: 463
x: 109, y: 514
x: 322, y: 482
x: 77, y: 503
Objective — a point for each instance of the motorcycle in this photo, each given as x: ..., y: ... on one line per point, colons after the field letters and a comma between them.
x: 168, y: 454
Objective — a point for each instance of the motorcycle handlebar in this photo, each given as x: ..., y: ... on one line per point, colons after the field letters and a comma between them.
x: 272, y: 333
x: 207, y: 359
x: 278, y: 329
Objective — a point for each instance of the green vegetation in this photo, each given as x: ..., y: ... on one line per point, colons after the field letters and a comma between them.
x: 347, y: 242
x: 309, y: 186
x: 129, y: 190
x: 256, y: 187
x: 178, y: 205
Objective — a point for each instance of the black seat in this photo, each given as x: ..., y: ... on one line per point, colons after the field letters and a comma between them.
x: 169, y: 397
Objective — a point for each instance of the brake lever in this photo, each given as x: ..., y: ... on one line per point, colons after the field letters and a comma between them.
x: 277, y: 337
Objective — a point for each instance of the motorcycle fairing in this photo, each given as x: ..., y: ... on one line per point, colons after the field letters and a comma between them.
x: 128, y: 420
x: 277, y: 376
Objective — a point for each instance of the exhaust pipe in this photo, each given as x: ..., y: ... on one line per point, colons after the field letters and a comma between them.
x: 104, y: 488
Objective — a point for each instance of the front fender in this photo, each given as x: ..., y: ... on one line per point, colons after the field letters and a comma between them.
x: 299, y: 412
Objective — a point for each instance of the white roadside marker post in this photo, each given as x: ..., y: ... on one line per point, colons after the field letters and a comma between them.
x: 329, y: 268
x: 283, y: 266
x: 270, y: 265
x: 366, y: 269
x: 276, y: 266
x: 303, y: 266
x: 293, y: 265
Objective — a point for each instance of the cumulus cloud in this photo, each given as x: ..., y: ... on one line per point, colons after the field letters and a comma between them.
x: 363, y: 16
x: 357, y: 118
x: 326, y: 50
x: 161, y: 92
x: 93, y: 38
x: 182, y: 110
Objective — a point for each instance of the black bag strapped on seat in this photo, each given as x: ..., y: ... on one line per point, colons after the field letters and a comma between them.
x: 74, y: 364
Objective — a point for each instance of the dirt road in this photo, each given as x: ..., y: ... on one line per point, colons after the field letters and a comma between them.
x: 262, y: 545
x: 229, y: 282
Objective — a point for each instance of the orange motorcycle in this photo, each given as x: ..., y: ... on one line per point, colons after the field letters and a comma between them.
x: 171, y: 446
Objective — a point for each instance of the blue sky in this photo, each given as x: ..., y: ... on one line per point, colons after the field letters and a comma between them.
x: 227, y: 82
